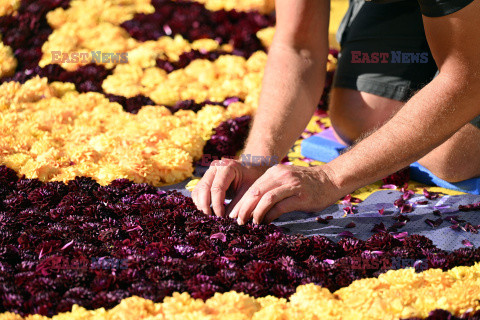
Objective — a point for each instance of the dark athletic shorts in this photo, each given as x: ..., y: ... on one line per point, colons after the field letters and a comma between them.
x: 392, y: 33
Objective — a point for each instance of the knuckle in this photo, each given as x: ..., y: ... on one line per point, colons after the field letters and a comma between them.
x: 286, y: 174
x: 230, y: 164
x: 269, y: 197
x: 254, y: 191
x: 216, y: 189
x: 274, y: 169
x: 201, y: 187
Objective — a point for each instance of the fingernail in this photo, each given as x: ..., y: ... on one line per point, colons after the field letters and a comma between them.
x: 239, y: 221
x: 232, y: 215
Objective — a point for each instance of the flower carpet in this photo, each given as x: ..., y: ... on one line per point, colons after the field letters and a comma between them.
x: 104, y: 105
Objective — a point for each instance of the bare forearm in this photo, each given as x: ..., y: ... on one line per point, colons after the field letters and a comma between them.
x: 426, y: 121
x: 294, y: 76
x: 292, y: 85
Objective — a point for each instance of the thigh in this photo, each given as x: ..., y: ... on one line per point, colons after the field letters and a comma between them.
x: 355, y: 113
x: 458, y: 158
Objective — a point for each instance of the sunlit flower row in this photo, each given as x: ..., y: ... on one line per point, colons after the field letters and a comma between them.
x: 225, y: 77
x: 104, y: 37
x: 51, y: 132
x: 393, y: 295
x: 264, y: 6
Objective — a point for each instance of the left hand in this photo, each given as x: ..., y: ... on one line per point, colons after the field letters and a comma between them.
x: 283, y: 189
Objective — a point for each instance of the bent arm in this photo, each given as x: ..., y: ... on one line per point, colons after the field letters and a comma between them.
x: 294, y: 76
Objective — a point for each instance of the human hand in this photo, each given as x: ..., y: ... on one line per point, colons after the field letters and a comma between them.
x: 223, y: 175
x: 283, y: 189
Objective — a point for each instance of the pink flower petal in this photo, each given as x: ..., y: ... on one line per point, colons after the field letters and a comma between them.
x: 467, y: 243
x: 67, y: 245
x: 220, y: 236
x: 389, y: 186
x: 401, y: 235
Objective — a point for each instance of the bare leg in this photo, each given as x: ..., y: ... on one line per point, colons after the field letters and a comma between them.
x: 355, y: 113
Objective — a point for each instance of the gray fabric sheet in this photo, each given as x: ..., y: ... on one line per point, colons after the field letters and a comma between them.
x: 367, y: 216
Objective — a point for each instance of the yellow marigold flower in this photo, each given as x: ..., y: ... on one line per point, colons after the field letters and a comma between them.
x: 125, y: 81
x: 331, y: 63
x: 205, y: 44
x: 83, y: 38
x: 8, y: 63
x: 222, y: 305
x: 164, y: 94
x: 208, y: 118
x: 10, y: 316
x: 375, y: 299
x: 94, y: 11
x: 266, y: 36
x: 238, y: 109
x: 189, y: 140
x: 8, y: 7
x: 31, y: 91
x: 152, y: 78
x: 62, y: 88
x: 256, y: 62
x: 263, y: 6
x: 14, y: 161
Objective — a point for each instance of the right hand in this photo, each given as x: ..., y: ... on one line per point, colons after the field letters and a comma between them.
x: 222, y: 176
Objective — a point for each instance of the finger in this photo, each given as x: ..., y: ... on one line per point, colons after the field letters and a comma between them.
x: 251, y: 198
x: 287, y: 205
x: 269, y: 200
x: 222, y: 181
x: 202, y: 190
x: 238, y: 196
x: 236, y: 203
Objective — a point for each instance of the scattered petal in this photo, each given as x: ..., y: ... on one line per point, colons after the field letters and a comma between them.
x: 346, y: 234
x: 321, y: 220
x: 66, y: 246
x: 220, y: 236
x: 467, y: 243
x: 433, y: 223
x: 379, y: 228
x: 430, y: 195
x: 401, y: 235
x: 424, y: 202
x: 389, y: 186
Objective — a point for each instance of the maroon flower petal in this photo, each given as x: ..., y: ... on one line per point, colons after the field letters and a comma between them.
x: 434, y: 223
x: 346, y: 234
x: 421, y: 202
x: 430, y: 195
x: 321, y: 220
x: 379, y: 228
